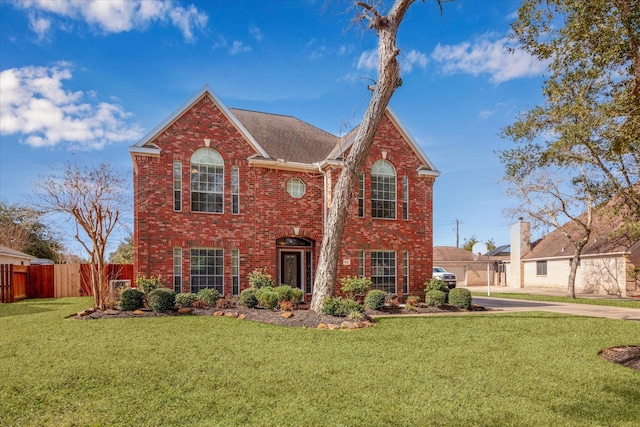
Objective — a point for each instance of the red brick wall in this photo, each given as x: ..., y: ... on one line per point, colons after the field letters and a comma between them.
x: 267, y: 212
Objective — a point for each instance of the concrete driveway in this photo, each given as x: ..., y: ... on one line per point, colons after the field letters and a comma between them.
x: 512, y: 305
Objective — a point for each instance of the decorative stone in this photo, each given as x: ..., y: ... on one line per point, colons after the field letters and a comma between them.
x: 348, y: 325
x: 184, y: 310
x: 111, y: 312
x: 233, y: 314
x: 322, y: 326
x: 242, y: 316
x: 333, y: 327
x: 218, y: 313
x: 138, y: 312
x: 83, y: 313
x: 287, y: 314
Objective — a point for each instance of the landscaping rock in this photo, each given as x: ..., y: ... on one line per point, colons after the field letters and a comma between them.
x: 242, y: 316
x: 185, y: 310
x: 111, y: 312
x: 287, y: 314
x: 348, y: 325
x: 233, y: 314
x: 322, y: 326
x: 333, y: 327
x: 138, y: 312
x: 218, y: 313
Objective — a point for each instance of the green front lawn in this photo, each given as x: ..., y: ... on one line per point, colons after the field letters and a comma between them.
x: 552, y: 298
x: 524, y: 369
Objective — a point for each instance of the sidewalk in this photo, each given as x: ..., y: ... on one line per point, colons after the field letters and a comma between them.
x: 542, y: 291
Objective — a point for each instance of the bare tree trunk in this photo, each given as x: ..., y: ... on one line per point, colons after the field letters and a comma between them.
x: 389, y: 79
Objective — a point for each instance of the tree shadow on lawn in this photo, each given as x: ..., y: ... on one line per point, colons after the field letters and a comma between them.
x: 30, y: 306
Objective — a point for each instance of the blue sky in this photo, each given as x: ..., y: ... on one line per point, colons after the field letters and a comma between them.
x: 82, y: 81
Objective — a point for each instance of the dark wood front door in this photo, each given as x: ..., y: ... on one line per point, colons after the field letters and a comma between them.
x: 290, y: 269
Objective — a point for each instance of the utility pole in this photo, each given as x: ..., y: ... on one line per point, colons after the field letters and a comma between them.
x: 457, y: 233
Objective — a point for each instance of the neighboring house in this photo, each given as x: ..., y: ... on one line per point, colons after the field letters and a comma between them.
x: 608, y: 263
x: 11, y: 256
x: 221, y: 192
x: 470, y: 269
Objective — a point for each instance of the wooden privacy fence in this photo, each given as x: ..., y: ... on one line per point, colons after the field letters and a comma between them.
x: 53, y: 281
x: 13, y: 282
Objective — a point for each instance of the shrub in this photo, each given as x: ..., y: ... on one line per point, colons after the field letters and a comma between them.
x: 131, y: 299
x: 209, y: 296
x: 226, y: 302
x: 355, y: 286
x: 331, y: 306
x: 412, y: 300
x: 375, y: 299
x: 185, y: 299
x: 248, y: 298
x: 435, y: 298
x: 259, y: 278
x: 286, y: 305
x: 267, y: 297
x: 351, y: 308
x: 148, y: 284
x: 336, y: 306
x: 284, y: 292
x: 438, y: 285
x: 296, y: 296
x: 460, y: 298
x: 161, y: 299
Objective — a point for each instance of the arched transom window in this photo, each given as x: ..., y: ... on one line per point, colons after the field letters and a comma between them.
x: 207, y: 178
x: 383, y: 190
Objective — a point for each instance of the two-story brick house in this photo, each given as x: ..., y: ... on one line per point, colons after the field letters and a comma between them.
x: 219, y: 192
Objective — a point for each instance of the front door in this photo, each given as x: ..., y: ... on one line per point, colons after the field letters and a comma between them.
x: 291, y: 269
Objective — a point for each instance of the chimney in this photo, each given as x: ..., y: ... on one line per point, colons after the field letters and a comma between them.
x: 520, y: 245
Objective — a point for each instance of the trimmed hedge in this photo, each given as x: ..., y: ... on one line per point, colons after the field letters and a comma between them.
x: 131, y: 299
x: 437, y: 285
x: 435, y: 298
x: 209, y: 296
x: 248, y: 298
x: 460, y: 298
x: 161, y: 299
x: 375, y: 299
x: 341, y: 307
x: 267, y: 297
x: 186, y: 299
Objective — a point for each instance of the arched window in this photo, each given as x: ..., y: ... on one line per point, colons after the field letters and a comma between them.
x: 383, y: 190
x: 207, y: 178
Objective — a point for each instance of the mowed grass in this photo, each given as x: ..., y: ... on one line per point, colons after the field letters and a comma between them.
x: 524, y: 369
x: 554, y: 298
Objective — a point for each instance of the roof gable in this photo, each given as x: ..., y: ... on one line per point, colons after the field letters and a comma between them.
x: 607, y: 237
x: 428, y: 168
x: 144, y: 146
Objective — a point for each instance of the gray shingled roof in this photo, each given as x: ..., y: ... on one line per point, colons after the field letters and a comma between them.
x: 287, y: 138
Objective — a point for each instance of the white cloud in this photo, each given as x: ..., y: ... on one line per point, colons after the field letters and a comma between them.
x: 40, y: 26
x: 34, y: 104
x: 368, y: 60
x: 239, y: 47
x: 485, y: 114
x: 256, y: 33
x: 115, y: 16
x: 501, y: 59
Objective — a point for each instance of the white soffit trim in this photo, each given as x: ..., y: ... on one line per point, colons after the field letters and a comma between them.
x: 204, y: 91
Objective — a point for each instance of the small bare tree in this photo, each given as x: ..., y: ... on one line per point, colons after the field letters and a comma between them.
x: 567, y: 208
x: 94, y: 198
x: 386, y: 27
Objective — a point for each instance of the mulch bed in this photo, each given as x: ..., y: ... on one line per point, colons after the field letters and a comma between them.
x: 628, y: 356
x: 302, y: 316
